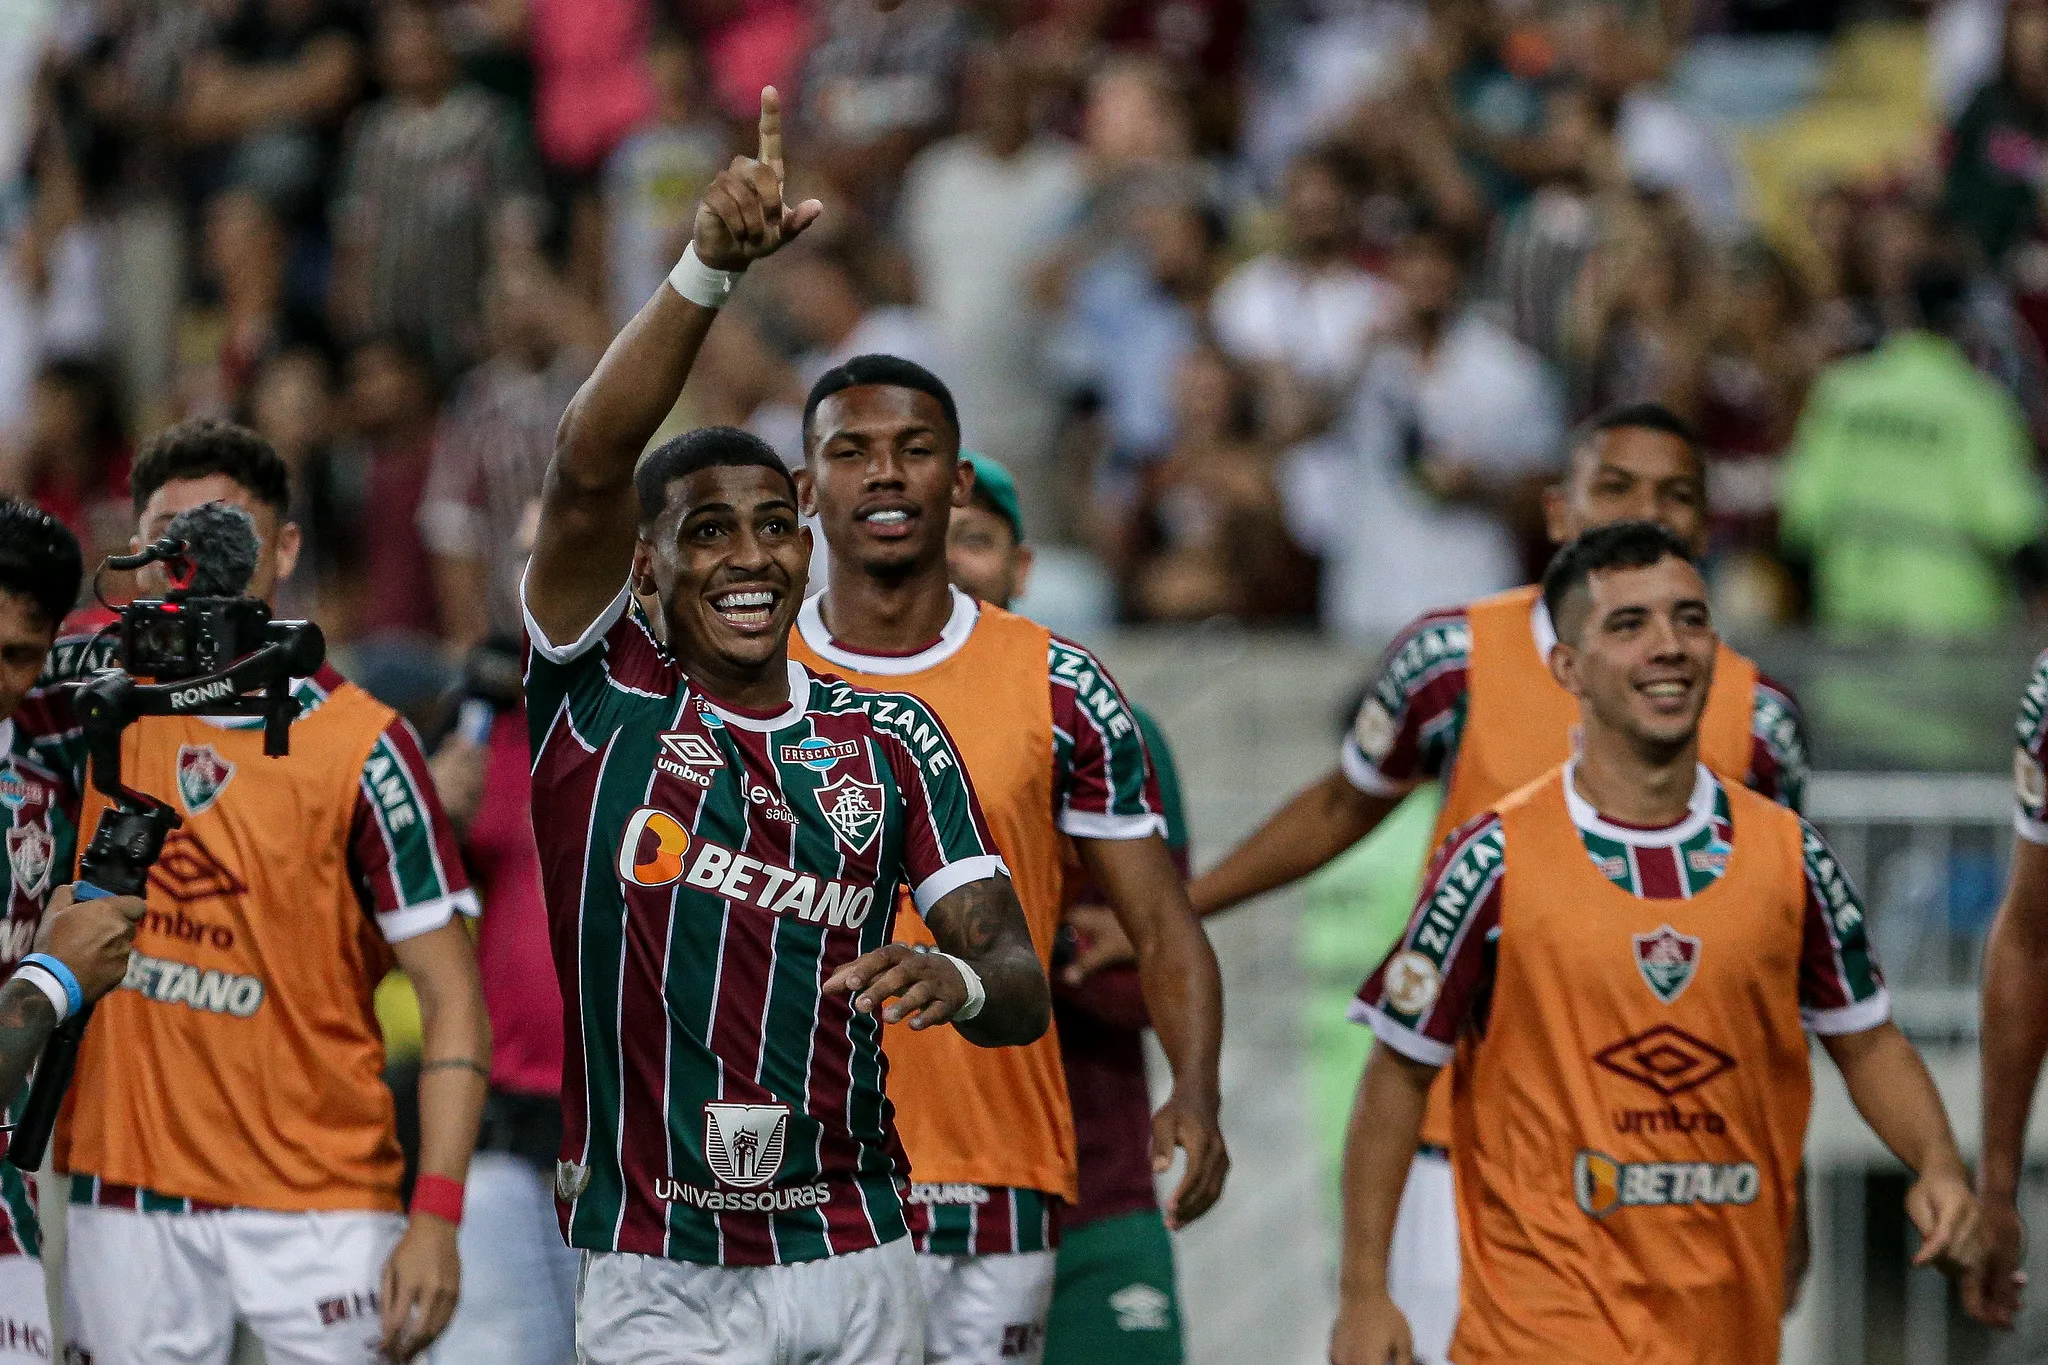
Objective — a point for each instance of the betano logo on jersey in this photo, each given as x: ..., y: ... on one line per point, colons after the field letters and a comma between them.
x: 1602, y: 1184
x: 657, y: 851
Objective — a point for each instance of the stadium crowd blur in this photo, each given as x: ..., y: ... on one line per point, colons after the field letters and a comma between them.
x: 1280, y: 312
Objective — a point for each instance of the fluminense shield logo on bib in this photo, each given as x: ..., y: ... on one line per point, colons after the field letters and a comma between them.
x: 202, y: 773
x: 1667, y: 959
x: 743, y: 1142
x: 29, y: 850
x: 854, y: 809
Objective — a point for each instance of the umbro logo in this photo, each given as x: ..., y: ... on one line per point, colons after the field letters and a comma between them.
x: 684, y: 752
x: 1665, y: 1059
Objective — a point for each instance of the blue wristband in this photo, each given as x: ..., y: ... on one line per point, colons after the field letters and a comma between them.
x: 66, y: 978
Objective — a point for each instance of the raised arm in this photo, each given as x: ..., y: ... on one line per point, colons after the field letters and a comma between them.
x: 981, y: 925
x: 589, y: 517
x: 1184, y: 995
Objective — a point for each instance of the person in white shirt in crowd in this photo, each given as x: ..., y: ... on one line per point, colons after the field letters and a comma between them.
x: 1413, y: 500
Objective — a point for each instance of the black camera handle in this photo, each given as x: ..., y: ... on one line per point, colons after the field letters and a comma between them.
x: 130, y: 833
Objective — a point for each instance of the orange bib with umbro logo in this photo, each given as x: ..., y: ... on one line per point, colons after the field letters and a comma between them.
x: 1519, y: 724
x: 1628, y: 1144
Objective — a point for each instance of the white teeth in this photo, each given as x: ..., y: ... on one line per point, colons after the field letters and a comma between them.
x: 1664, y: 689
x: 893, y: 517
x: 741, y: 601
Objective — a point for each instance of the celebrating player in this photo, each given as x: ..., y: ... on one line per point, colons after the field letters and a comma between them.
x: 721, y: 834
x: 1464, y: 696
x: 1054, y: 751
x: 1114, y: 1295
x: 229, y: 1137
x: 2014, y: 1035
x: 1626, y: 956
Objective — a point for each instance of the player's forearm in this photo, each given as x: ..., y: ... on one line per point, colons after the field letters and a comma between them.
x: 1320, y: 822
x: 1890, y: 1087
x: 630, y: 393
x: 982, y: 924
x: 455, y: 1053
x: 1386, y: 1121
x: 2012, y: 1044
x: 1184, y: 995
x: 26, y: 1021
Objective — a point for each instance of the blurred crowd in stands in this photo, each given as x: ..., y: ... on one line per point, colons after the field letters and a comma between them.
x: 1280, y: 312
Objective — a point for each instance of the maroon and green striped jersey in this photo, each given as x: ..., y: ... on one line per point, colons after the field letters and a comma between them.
x: 706, y: 871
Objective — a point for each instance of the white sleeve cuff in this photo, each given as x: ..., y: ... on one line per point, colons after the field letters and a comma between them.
x: 2028, y: 828
x: 1360, y: 773
x: 953, y: 876
x: 1856, y: 1018
x: 1091, y: 824
x: 592, y: 633
x: 1400, y: 1037
x: 399, y: 925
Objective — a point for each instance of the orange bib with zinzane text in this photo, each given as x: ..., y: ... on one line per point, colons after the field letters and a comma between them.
x: 1519, y: 724
x: 1627, y: 1150
x: 966, y: 1114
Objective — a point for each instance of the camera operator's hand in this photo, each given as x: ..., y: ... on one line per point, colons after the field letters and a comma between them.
x: 421, y: 1282
x: 91, y: 937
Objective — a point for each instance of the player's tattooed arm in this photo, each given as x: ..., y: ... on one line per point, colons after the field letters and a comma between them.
x: 27, y: 1019
x: 982, y: 924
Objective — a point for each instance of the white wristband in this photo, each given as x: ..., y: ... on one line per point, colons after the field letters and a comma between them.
x: 699, y: 283
x: 45, y: 980
x: 977, y: 994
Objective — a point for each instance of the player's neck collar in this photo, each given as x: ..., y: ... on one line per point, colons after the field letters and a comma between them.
x: 1699, y: 810
x: 810, y: 620
x: 799, y: 702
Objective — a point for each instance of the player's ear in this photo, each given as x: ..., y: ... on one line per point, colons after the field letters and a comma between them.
x: 1564, y: 666
x: 963, y: 482
x: 290, y: 540
x: 1557, y: 512
x: 643, y: 569
x: 1021, y: 560
x: 806, y: 492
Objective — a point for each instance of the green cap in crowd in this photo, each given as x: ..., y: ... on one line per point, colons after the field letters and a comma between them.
x: 993, y: 482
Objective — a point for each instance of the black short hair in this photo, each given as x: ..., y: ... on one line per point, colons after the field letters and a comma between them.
x: 1642, y: 416
x: 1621, y: 545
x: 39, y: 559
x: 704, y: 448
x: 207, y: 445
x: 888, y: 371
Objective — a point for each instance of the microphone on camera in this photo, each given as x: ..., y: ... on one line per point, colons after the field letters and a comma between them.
x: 220, y: 550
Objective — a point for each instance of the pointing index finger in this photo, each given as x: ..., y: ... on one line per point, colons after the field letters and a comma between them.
x: 771, y: 128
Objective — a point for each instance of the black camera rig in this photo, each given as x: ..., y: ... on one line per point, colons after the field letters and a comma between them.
x: 212, y: 655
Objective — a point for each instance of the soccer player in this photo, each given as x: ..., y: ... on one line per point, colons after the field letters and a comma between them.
x: 1054, y: 751
x: 229, y: 1138
x: 1464, y: 696
x: 721, y: 833
x: 2014, y: 1036
x: 40, y: 572
x: 1627, y: 955
x: 1114, y: 1295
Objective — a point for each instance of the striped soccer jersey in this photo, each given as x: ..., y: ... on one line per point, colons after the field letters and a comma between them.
x: 706, y: 871
x: 39, y: 812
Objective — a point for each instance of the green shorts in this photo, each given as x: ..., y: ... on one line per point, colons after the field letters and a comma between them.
x: 1114, y: 1299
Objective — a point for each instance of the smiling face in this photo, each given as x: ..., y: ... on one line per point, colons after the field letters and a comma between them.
x: 727, y: 559
x: 1636, y: 647
x: 884, y: 473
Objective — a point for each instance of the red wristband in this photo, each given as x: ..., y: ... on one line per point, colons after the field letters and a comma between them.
x: 438, y: 1195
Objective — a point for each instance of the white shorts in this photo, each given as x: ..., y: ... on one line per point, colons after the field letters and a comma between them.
x: 984, y: 1309
x: 140, y: 1288
x: 24, y: 1312
x: 1422, y: 1262
x: 863, y: 1308
x: 518, y: 1303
